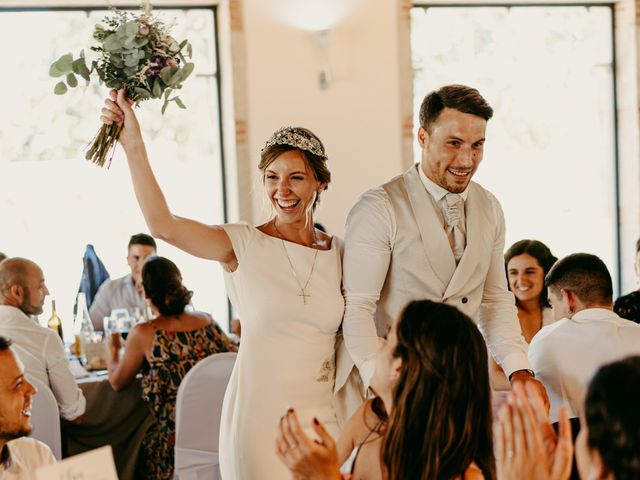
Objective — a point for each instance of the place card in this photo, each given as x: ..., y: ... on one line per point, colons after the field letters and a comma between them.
x: 94, y: 465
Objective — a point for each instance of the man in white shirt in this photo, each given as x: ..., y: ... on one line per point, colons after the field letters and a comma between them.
x: 433, y: 234
x: 20, y: 456
x: 125, y: 292
x: 587, y: 333
x: 22, y: 293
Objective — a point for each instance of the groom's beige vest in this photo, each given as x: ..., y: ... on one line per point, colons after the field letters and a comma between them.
x: 422, y: 264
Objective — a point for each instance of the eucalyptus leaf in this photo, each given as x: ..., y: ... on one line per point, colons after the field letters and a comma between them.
x: 84, y: 71
x: 60, y: 88
x: 141, y: 42
x: 121, y: 32
x: 65, y: 63
x: 112, y: 43
x: 129, y: 42
x: 187, y: 70
x: 177, y: 79
x: 72, y: 80
x: 53, y: 70
x: 131, y: 28
x: 117, y: 61
x: 157, y: 88
x: 167, y: 92
x: 130, y: 71
x: 164, y: 105
x: 167, y: 73
x: 143, y: 93
x: 179, y: 102
x: 131, y: 61
x: 141, y: 54
x: 190, y: 50
x: 183, y: 43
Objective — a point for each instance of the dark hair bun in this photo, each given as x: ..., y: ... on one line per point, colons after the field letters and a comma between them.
x: 162, y: 284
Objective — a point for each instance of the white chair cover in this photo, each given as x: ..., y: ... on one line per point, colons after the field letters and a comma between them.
x: 45, y: 418
x: 198, y: 411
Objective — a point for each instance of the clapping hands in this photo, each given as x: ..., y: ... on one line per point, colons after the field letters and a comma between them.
x: 527, y: 447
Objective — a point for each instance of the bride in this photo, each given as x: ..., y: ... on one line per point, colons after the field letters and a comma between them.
x: 283, y: 278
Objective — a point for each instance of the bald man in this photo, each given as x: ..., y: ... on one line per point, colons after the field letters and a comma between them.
x: 22, y: 293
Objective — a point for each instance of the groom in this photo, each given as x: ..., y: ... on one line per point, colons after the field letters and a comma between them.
x: 433, y: 234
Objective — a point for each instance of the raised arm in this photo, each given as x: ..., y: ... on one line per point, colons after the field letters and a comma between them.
x: 196, y: 238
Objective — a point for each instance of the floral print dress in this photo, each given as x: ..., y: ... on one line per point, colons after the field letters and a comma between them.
x: 172, y: 356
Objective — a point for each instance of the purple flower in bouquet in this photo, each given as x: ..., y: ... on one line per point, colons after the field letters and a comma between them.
x: 134, y: 52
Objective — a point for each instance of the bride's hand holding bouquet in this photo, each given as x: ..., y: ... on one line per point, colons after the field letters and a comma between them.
x: 118, y: 111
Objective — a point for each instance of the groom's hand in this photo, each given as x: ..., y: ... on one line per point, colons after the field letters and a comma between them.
x: 527, y: 379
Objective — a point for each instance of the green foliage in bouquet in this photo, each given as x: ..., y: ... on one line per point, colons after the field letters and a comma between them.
x: 134, y: 52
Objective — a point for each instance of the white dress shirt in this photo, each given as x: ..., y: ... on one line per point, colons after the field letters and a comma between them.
x: 566, y: 354
x: 26, y: 455
x: 117, y: 293
x: 370, y: 234
x: 42, y: 353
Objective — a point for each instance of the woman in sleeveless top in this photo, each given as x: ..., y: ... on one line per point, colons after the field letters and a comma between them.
x: 431, y: 374
x: 284, y: 280
x: 165, y: 349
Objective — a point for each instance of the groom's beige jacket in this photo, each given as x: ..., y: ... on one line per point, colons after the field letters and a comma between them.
x: 421, y: 265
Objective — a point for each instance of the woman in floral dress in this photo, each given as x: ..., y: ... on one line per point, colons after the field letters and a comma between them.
x: 164, y: 349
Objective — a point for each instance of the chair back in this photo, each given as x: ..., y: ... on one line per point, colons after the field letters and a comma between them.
x: 198, y: 412
x: 45, y: 418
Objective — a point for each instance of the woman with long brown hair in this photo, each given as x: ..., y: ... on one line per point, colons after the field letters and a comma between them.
x: 439, y: 424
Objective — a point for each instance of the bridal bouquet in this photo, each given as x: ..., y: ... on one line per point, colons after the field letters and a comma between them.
x: 134, y: 52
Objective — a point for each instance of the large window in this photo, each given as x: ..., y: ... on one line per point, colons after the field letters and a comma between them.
x: 53, y: 202
x: 550, y: 151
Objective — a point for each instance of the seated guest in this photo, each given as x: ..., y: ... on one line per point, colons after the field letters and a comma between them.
x: 20, y: 456
x: 125, y: 292
x: 628, y: 306
x: 607, y: 447
x: 586, y: 334
x: 22, y: 293
x: 526, y: 262
x: 429, y: 374
x: 165, y: 349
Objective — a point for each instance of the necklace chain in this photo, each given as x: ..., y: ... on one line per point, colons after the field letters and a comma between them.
x: 303, y: 290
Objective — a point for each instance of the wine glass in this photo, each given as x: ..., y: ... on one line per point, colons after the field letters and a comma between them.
x: 123, y: 321
x: 110, y: 324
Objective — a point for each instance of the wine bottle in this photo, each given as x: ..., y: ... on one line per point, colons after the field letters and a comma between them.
x: 55, y: 322
x: 82, y: 326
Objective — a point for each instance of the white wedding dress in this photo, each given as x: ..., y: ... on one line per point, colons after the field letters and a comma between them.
x: 287, y: 352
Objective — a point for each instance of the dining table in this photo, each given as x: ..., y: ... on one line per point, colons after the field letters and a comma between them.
x: 120, y: 419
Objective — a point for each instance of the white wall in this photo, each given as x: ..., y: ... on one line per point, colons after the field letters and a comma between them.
x: 358, y: 117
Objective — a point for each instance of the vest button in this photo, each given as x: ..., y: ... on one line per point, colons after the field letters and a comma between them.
x: 465, y: 299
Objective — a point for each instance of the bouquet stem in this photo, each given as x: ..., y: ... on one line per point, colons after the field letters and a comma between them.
x: 104, y: 144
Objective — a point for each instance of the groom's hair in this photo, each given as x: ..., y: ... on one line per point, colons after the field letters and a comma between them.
x: 458, y: 97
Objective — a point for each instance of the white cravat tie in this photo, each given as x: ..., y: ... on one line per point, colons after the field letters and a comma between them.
x: 453, y: 215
